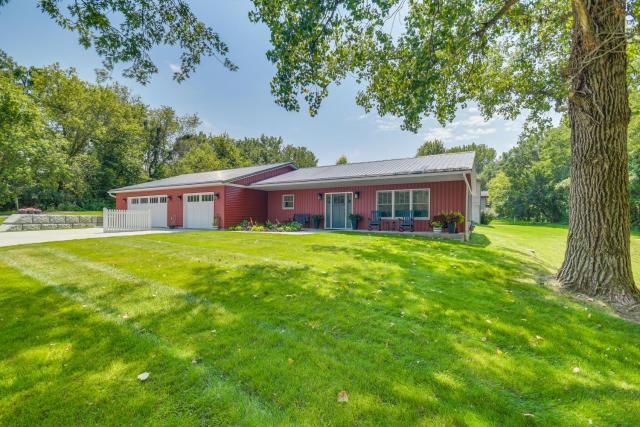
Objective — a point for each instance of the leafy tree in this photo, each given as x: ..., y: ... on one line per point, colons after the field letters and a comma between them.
x: 485, y: 155
x: 430, y: 147
x: 163, y: 127
x: 30, y: 154
x: 200, y: 158
x: 125, y: 31
x: 508, y: 57
x: 342, y: 160
x: 270, y: 149
x: 302, y: 157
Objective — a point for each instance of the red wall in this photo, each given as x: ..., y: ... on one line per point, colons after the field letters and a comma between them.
x: 244, y: 203
x: 174, y: 208
x: 445, y: 196
x: 264, y: 175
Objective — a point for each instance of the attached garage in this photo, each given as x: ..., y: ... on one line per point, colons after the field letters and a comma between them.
x: 198, y: 210
x: 157, y: 205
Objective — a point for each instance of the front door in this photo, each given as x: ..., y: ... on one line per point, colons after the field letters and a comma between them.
x: 338, y: 207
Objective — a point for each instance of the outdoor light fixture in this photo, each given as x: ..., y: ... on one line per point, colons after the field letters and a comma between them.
x: 356, y: 194
x: 319, y: 196
x: 168, y: 197
x: 215, y: 196
x: 180, y: 197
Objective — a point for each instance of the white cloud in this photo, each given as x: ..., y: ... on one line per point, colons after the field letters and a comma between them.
x: 443, y: 134
x: 388, y: 124
x: 175, y: 68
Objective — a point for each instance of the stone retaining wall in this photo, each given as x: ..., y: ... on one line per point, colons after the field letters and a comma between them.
x: 27, y: 222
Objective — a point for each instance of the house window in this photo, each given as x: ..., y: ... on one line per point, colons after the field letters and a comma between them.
x: 393, y: 204
x: 385, y: 203
x: 134, y: 201
x: 420, y: 203
x: 402, y: 202
x: 207, y: 197
x: 287, y: 201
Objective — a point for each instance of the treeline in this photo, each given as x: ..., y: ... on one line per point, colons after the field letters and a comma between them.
x: 64, y: 142
x: 531, y: 181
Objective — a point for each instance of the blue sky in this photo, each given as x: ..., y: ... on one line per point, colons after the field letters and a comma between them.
x: 240, y: 103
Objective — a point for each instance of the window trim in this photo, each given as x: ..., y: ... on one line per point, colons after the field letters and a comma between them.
x: 393, y: 201
x: 293, y: 202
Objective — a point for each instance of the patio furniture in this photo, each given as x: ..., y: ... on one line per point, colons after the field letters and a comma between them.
x: 375, y: 220
x: 405, y: 221
x: 303, y: 219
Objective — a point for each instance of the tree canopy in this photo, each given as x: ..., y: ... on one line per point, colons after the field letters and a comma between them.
x: 64, y: 141
x: 342, y: 160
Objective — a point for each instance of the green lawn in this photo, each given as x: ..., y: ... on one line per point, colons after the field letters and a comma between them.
x: 415, y: 331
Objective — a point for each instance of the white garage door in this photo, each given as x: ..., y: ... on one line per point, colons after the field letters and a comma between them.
x: 156, y: 204
x: 198, y: 210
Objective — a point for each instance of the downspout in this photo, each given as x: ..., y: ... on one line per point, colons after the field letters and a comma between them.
x: 466, y: 203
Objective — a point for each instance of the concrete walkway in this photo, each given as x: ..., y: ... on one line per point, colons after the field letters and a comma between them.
x: 27, y: 237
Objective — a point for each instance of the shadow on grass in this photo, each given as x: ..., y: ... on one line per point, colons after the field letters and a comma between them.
x: 415, y: 330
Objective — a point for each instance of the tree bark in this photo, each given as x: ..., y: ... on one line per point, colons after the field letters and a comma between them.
x: 597, y: 260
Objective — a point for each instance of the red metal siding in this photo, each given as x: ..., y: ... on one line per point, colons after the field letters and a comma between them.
x: 445, y: 196
x: 264, y: 175
x: 174, y: 204
x: 244, y: 203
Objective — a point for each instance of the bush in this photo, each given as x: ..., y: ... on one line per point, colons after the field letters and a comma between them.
x: 486, y: 217
x: 249, y: 225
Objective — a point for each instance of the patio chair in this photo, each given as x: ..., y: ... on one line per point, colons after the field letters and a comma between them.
x: 375, y: 220
x: 405, y: 221
x: 303, y: 219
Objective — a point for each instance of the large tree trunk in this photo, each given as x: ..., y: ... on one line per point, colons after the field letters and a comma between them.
x: 597, y: 260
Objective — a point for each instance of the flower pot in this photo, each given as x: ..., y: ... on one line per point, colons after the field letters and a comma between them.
x: 451, y: 228
x: 354, y: 224
x: 437, y: 230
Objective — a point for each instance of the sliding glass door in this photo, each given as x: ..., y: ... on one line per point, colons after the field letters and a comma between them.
x: 338, y: 207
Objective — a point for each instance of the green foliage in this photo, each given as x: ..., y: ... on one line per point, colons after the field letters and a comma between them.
x: 430, y: 147
x: 126, y: 31
x: 342, y: 160
x: 531, y: 180
x: 66, y: 142
x: 486, y: 216
x: 250, y: 225
x: 269, y: 149
x: 420, y: 58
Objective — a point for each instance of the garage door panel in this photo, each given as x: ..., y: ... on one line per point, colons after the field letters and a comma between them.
x: 157, y: 205
x: 198, y: 210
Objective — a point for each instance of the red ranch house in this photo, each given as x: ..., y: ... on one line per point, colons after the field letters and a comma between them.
x: 424, y: 185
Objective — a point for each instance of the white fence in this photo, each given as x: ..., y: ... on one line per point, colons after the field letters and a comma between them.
x: 121, y: 220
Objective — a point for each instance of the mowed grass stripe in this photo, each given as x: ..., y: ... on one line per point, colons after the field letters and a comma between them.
x: 175, y: 378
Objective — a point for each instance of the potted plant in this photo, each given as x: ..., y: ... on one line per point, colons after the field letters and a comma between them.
x: 436, y: 226
x: 317, y: 219
x: 216, y: 222
x: 355, y: 219
x: 453, y: 219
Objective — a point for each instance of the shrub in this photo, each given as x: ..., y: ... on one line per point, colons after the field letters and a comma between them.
x: 486, y: 217
x: 257, y: 227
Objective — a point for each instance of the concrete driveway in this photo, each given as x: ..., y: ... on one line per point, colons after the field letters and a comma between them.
x: 26, y: 237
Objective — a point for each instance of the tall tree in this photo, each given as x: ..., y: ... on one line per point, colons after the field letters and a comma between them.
x: 507, y: 56
x: 430, y: 147
x: 163, y: 127
x: 342, y: 160
x: 126, y: 31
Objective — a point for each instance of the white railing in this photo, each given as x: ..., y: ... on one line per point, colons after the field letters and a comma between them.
x: 122, y: 220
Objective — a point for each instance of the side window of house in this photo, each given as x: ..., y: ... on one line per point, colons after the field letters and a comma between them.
x: 287, y: 201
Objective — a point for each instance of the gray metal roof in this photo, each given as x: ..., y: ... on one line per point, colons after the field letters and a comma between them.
x: 414, y: 165
x: 213, y: 177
